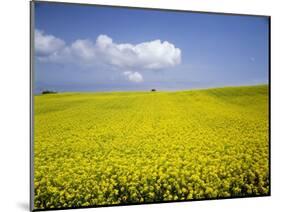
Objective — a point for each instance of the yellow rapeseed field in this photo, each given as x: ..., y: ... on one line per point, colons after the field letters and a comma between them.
x: 137, y: 147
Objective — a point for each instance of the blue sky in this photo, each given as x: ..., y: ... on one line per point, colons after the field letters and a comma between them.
x: 91, y: 48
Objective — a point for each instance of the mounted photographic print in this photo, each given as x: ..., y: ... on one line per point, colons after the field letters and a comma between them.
x: 137, y: 106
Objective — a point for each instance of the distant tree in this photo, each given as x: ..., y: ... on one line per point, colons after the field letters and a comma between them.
x: 153, y: 89
x: 48, y: 92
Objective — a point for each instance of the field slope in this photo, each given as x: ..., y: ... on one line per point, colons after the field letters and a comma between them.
x: 137, y: 147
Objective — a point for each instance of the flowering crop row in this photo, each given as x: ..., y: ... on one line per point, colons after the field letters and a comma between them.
x: 138, y: 147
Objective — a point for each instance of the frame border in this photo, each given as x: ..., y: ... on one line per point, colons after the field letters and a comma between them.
x: 31, y: 108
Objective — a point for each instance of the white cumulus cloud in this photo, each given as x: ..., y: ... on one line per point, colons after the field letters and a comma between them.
x: 147, y: 55
x: 47, y: 44
x: 133, y: 76
x: 151, y: 55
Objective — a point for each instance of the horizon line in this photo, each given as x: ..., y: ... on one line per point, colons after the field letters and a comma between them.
x: 149, y: 90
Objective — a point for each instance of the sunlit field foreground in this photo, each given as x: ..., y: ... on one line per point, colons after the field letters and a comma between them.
x: 138, y: 147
